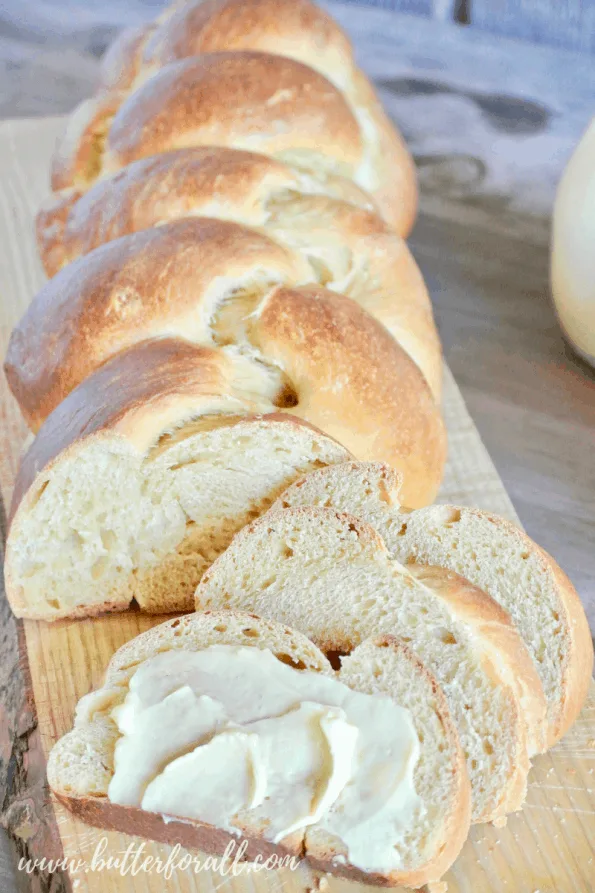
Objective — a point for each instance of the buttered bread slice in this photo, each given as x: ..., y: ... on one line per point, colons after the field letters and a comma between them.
x: 331, y: 576
x: 491, y: 553
x: 260, y: 740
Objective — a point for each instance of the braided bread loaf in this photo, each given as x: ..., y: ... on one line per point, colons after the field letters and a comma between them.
x: 275, y: 266
x: 204, y: 74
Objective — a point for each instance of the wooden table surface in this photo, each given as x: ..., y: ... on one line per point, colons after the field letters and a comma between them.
x: 491, y: 123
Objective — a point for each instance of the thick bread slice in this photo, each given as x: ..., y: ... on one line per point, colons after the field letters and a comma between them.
x: 370, y: 491
x: 81, y: 764
x: 526, y: 581
x: 330, y: 576
x: 490, y: 552
x: 142, y: 476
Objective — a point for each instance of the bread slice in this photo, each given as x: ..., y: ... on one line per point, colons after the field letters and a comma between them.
x: 74, y: 766
x: 329, y: 575
x: 142, y: 476
x: 490, y: 552
x: 81, y: 764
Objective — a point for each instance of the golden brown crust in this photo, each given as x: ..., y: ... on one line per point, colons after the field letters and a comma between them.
x: 505, y: 657
x: 296, y: 31
x: 365, y: 257
x: 77, y: 159
x: 282, y: 27
x: 227, y: 99
x: 149, y: 284
x: 153, y: 191
x: 211, y: 181
x: 354, y: 381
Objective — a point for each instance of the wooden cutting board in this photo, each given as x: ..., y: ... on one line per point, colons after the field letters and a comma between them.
x: 546, y: 848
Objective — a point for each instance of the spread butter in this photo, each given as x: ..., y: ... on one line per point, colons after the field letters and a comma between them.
x: 232, y: 734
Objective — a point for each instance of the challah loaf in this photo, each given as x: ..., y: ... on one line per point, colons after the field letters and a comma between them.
x: 330, y: 576
x: 431, y: 802
x: 487, y: 550
x: 214, y: 283
x: 142, y: 476
x: 194, y: 78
